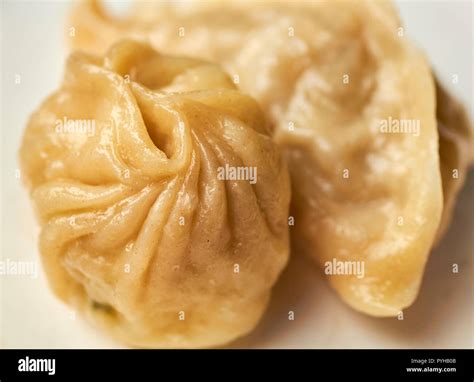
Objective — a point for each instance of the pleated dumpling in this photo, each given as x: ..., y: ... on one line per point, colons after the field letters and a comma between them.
x: 162, y: 200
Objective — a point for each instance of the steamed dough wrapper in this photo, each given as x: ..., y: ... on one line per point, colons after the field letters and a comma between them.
x: 367, y: 196
x: 328, y: 74
x: 138, y: 230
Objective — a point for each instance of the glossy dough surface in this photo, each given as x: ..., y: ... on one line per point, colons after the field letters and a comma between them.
x: 138, y: 230
x: 328, y: 74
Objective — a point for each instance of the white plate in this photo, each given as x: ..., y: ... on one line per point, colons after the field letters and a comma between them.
x: 31, y: 317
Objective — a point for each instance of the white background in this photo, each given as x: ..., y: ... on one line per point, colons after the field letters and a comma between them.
x: 33, y: 46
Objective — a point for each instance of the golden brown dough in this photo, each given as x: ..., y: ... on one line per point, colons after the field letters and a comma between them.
x: 139, y: 230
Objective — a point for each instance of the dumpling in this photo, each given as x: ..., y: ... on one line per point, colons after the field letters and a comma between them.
x: 162, y: 199
x: 352, y: 104
x: 363, y: 156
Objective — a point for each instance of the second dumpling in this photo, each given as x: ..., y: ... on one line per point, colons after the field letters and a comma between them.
x: 162, y: 199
